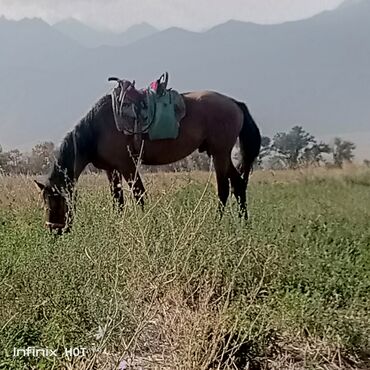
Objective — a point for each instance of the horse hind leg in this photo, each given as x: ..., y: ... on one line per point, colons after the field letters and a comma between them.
x: 239, y: 189
x: 222, y: 164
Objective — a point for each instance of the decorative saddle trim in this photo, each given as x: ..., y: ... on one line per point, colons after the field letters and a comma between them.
x: 156, y: 110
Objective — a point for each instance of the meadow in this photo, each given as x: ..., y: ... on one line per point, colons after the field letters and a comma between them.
x: 171, y: 287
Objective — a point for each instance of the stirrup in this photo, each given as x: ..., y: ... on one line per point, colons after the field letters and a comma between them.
x: 164, y: 79
x: 162, y: 83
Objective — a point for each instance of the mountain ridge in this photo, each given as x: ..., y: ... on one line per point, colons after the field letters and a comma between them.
x: 312, y: 72
x: 91, y: 37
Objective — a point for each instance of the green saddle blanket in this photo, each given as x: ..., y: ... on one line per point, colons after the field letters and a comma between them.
x: 164, y: 113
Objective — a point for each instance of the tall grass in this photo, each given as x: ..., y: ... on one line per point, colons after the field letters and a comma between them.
x: 174, y: 288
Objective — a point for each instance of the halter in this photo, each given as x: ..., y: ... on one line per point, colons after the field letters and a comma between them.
x: 54, y: 225
x: 64, y: 196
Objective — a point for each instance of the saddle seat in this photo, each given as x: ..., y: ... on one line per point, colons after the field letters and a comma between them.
x: 156, y: 110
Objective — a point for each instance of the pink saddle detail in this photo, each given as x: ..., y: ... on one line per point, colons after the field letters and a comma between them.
x: 154, y: 86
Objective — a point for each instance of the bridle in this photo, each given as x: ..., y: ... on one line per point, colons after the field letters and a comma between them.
x: 56, y: 225
x: 53, y: 225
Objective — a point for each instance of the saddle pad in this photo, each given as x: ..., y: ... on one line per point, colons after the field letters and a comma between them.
x: 162, y: 115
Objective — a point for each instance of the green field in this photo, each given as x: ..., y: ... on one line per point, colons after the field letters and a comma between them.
x: 174, y: 288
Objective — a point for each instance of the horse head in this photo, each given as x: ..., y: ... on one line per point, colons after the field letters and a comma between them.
x: 57, y: 202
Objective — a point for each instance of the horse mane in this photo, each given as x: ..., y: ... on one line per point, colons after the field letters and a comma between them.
x: 83, y: 140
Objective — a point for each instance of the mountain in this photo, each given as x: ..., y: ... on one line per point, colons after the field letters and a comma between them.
x: 349, y: 3
x: 40, y: 70
x: 32, y: 42
x: 90, y: 37
x: 135, y: 33
x: 83, y: 34
x: 313, y: 72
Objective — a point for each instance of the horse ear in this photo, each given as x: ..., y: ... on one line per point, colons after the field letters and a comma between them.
x: 40, y: 185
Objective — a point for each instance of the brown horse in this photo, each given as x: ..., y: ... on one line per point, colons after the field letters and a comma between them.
x: 212, y: 124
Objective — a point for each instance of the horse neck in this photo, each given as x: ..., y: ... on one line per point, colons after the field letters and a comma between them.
x: 79, y: 146
x: 69, y: 164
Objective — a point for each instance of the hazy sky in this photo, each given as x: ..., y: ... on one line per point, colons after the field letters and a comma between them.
x: 191, y: 14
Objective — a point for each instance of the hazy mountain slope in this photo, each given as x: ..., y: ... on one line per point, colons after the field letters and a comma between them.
x: 90, y: 37
x: 42, y: 74
x: 83, y: 34
x: 135, y: 33
x: 313, y: 72
x: 32, y: 43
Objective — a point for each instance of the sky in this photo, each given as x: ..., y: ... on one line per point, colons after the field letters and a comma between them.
x: 118, y: 15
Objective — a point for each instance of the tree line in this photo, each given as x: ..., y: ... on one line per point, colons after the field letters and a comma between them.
x: 293, y: 149
x: 38, y: 161
x: 298, y: 148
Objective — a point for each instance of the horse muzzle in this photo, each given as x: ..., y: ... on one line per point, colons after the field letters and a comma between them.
x: 52, y: 226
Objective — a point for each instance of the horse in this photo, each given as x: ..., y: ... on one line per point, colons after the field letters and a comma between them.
x: 213, y: 123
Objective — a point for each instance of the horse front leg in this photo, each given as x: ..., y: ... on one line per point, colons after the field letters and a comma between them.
x: 115, y: 183
x: 134, y: 181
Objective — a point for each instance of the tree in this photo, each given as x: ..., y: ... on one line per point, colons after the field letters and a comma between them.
x: 342, y: 151
x: 313, y: 154
x: 265, y: 150
x: 14, y: 162
x: 42, y: 157
x: 292, y: 145
x: 2, y: 159
x: 275, y: 163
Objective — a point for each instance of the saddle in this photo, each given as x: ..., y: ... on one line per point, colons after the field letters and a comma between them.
x: 160, y: 86
x: 155, y: 111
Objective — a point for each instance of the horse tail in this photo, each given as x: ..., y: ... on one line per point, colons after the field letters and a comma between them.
x: 249, y: 140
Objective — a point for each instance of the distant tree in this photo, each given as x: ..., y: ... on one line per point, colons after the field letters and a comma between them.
x: 275, y: 162
x: 265, y: 150
x: 2, y: 159
x: 314, y: 154
x: 367, y: 162
x: 196, y: 161
x: 342, y: 151
x: 199, y: 161
x: 14, y: 162
x: 14, y: 158
x: 291, y: 146
x: 265, y: 143
x: 42, y: 157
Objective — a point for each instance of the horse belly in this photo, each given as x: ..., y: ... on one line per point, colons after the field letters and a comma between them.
x: 161, y: 152
x: 166, y: 151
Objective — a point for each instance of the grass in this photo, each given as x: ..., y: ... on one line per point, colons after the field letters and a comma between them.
x: 173, y: 288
